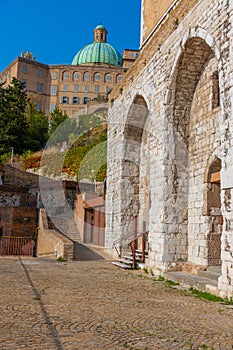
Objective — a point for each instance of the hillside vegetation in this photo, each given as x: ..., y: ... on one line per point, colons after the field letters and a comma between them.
x: 85, y: 157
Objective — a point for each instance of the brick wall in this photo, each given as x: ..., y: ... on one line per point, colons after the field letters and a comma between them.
x: 18, y: 222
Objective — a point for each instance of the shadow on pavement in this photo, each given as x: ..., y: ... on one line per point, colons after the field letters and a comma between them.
x: 47, y: 319
x: 83, y: 253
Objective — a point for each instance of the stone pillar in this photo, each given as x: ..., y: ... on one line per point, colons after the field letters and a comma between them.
x: 225, y: 282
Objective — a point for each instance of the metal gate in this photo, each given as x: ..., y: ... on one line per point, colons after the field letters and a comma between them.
x: 17, y: 246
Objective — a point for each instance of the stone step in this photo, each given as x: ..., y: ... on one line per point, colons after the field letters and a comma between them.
x: 121, y: 265
x: 66, y: 226
x: 126, y: 261
x: 138, y: 253
x: 195, y: 281
x: 209, y: 274
x: 216, y: 269
x: 129, y: 257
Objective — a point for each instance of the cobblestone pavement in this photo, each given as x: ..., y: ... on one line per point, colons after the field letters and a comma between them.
x: 93, y: 305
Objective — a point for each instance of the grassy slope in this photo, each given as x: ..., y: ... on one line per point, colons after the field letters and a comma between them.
x: 86, y: 158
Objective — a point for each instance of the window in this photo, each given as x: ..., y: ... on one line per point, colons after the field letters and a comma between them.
x: 119, y: 77
x: 76, y: 76
x: 38, y: 106
x: 75, y: 87
x: 96, y: 88
x: 54, y: 75
x: 97, y: 77
x: 108, y: 77
x: 108, y: 89
x: 52, y: 107
x: 24, y: 69
x: 86, y: 88
x: 40, y: 73
x: 85, y: 100
x: 134, y: 54
x: 65, y: 75
x: 53, y: 89
x: 24, y: 81
x: 76, y: 100
x: 65, y: 87
x: 86, y: 76
x: 39, y: 88
x: 65, y: 100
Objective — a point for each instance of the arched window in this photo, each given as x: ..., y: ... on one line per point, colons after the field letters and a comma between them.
x: 65, y: 75
x: 86, y: 76
x: 97, y: 77
x: 75, y: 76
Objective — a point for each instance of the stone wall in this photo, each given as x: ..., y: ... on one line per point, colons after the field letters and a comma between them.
x: 18, y: 202
x: 152, y: 12
x: 18, y: 222
x: 168, y: 128
x: 51, y: 243
x: 16, y: 177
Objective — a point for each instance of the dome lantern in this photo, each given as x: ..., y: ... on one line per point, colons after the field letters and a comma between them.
x: 99, y: 52
x: 100, y: 34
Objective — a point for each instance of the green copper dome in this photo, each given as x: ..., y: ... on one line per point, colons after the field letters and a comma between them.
x: 100, y: 26
x: 99, y: 51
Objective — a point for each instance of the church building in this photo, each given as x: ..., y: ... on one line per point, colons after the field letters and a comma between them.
x: 95, y: 70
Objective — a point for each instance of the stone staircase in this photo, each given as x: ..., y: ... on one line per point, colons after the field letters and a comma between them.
x: 126, y: 261
x: 131, y: 248
x: 65, y: 225
x: 204, y: 280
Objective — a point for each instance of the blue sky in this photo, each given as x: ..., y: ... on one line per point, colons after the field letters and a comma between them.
x: 55, y: 30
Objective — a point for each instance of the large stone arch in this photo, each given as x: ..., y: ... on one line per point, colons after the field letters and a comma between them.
x: 191, y: 33
x: 134, y: 136
x: 190, y: 112
x: 194, y: 57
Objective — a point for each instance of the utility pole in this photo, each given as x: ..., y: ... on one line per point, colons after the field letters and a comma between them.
x: 12, y: 154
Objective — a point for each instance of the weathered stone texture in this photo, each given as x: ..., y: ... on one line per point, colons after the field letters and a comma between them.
x: 180, y: 92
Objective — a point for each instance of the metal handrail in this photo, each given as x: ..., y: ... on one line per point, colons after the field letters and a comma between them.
x: 129, y: 239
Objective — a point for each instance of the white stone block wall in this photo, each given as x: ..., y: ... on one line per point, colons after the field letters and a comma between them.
x: 185, y: 135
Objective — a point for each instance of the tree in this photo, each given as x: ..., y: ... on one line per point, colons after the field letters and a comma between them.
x: 22, y: 127
x: 61, y: 128
x: 38, y: 125
x: 56, y: 118
x: 13, y: 125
